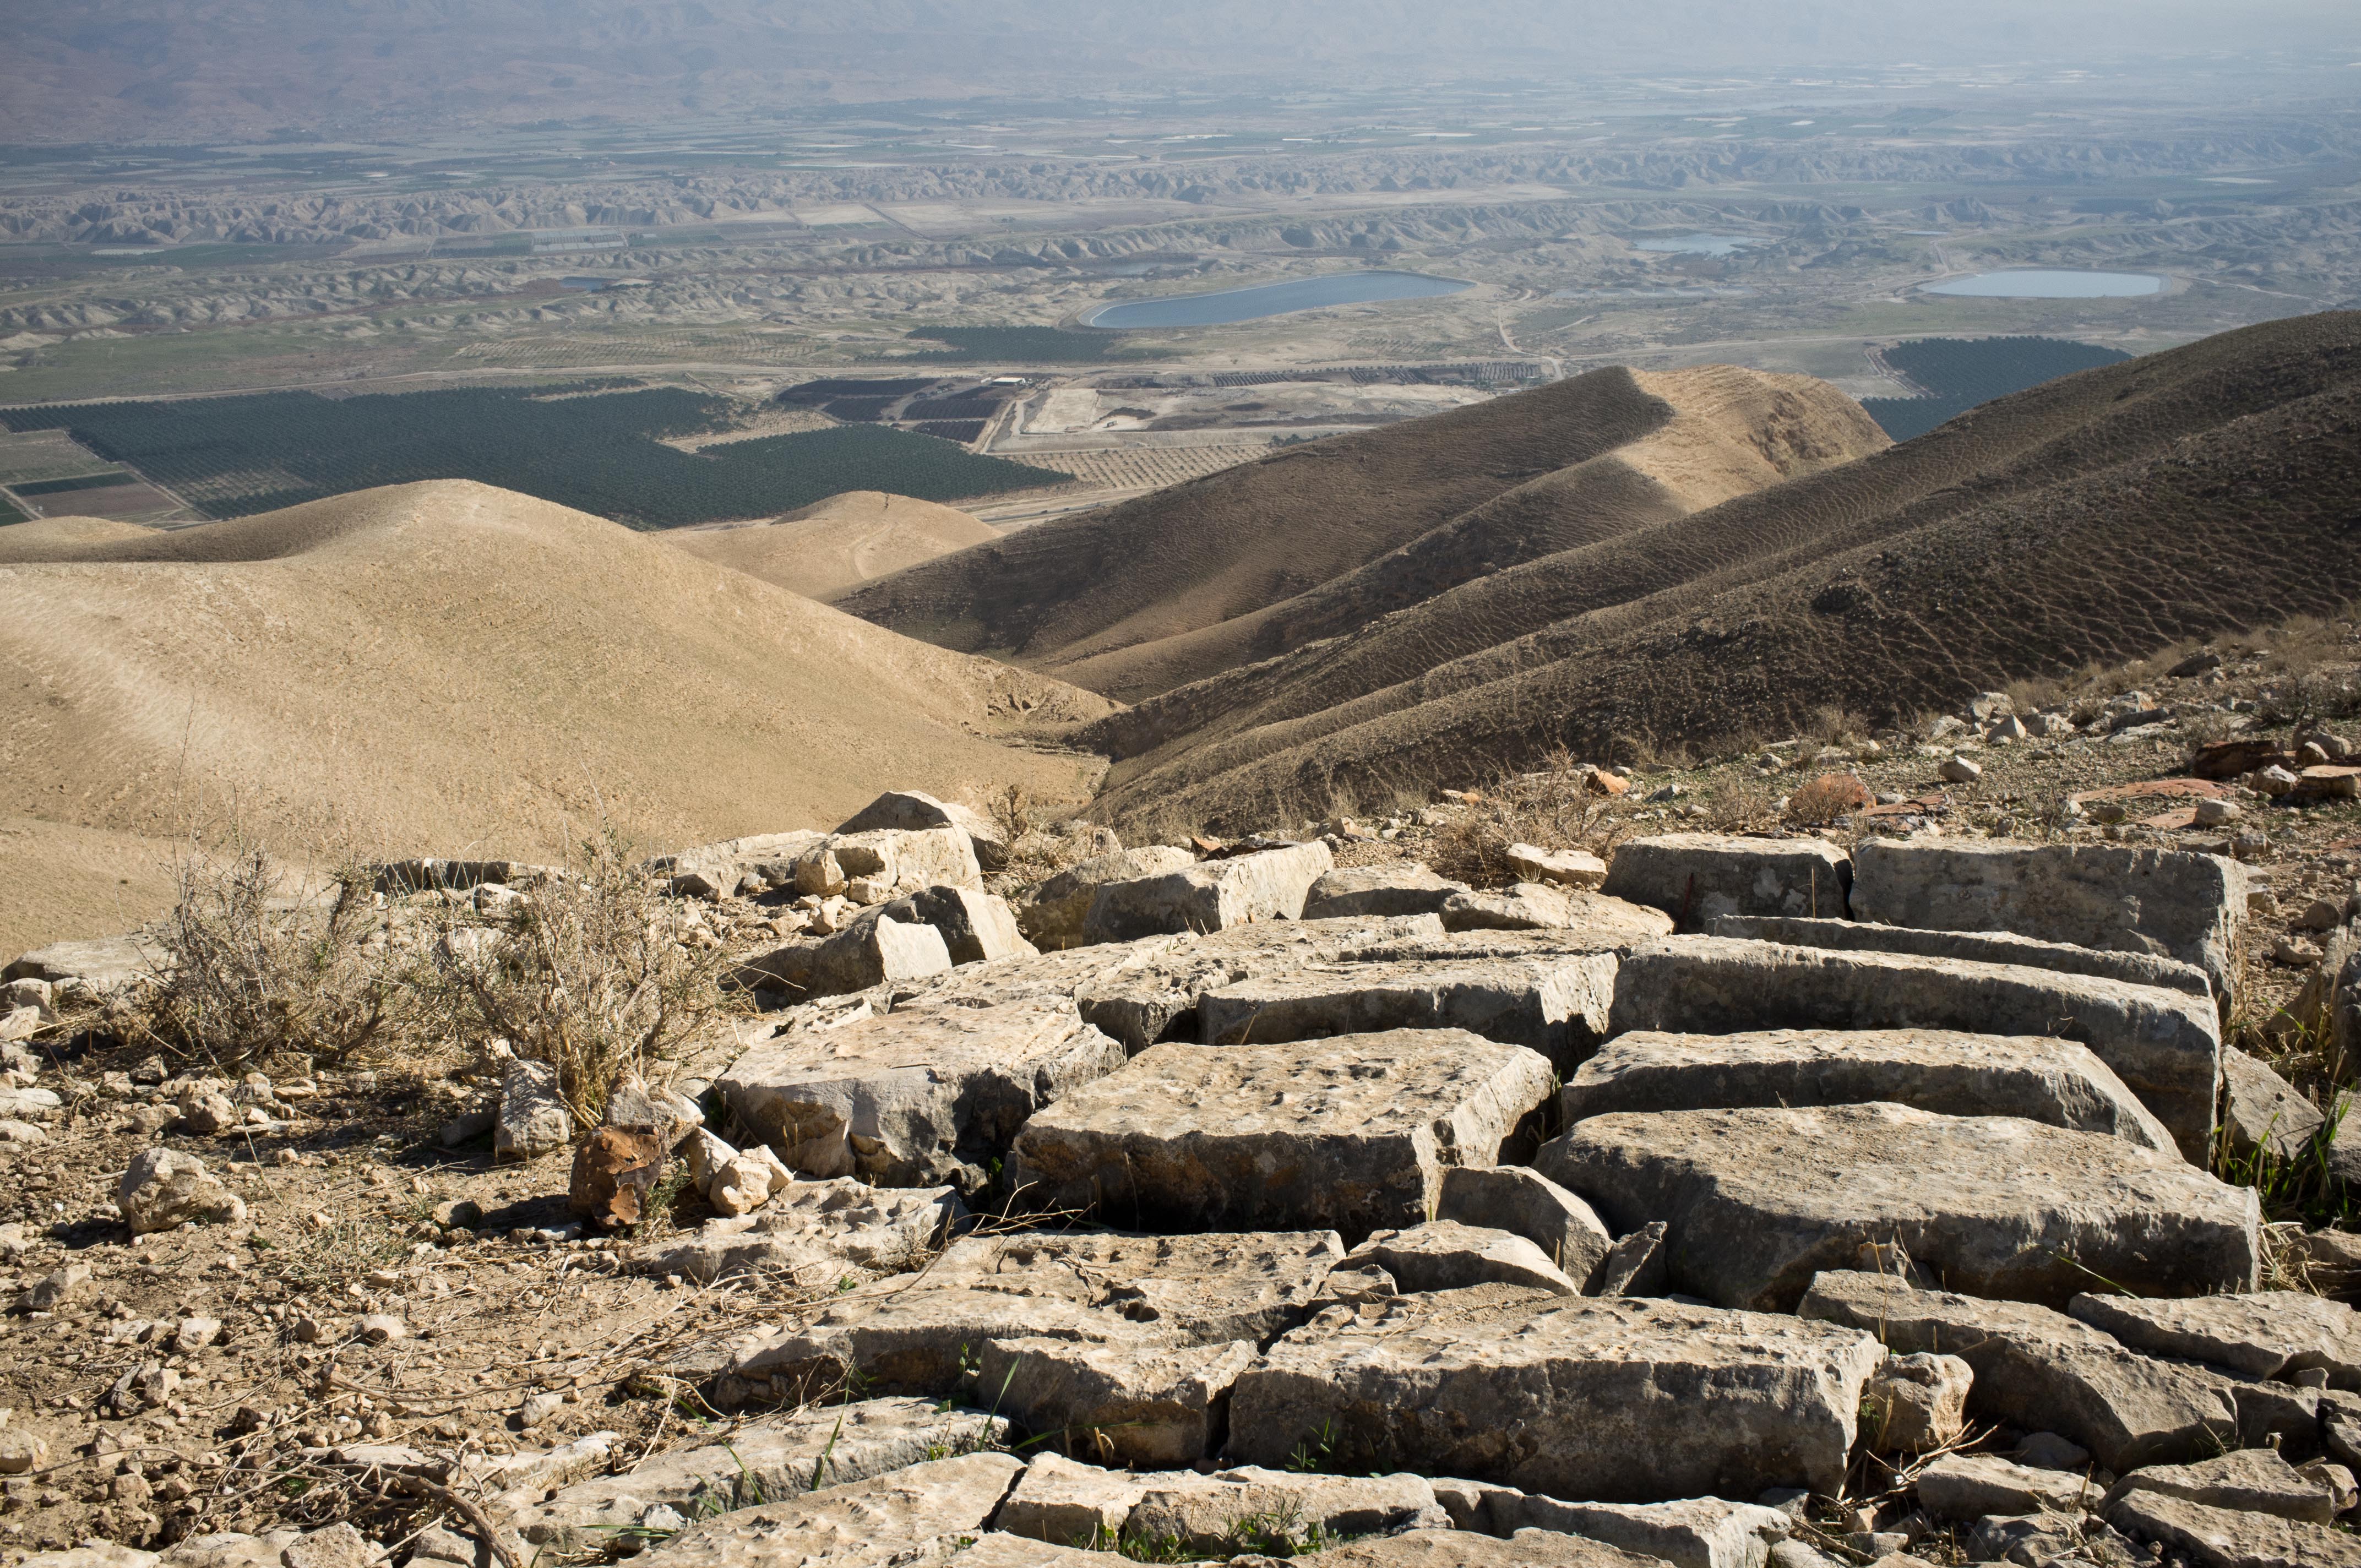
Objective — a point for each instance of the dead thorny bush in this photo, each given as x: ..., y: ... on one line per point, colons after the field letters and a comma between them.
x: 250, y: 972
x: 1555, y: 808
x: 596, y: 971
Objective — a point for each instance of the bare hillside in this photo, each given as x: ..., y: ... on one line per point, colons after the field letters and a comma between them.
x: 2097, y: 518
x: 430, y: 667
x: 1204, y: 576
x: 837, y: 543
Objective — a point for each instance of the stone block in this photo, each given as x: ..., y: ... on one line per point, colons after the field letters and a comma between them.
x: 1444, y: 1254
x: 92, y: 967
x: 912, y: 1097
x: 1146, y: 993
x: 1976, y: 947
x: 1396, y: 888
x: 2039, y: 1078
x: 913, y: 810
x: 1759, y: 1200
x: 1053, y: 917
x: 1564, y: 868
x: 2111, y: 896
x: 884, y: 945
x: 1696, y: 878
x: 2222, y: 1538
x: 1557, y: 1006
x: 1061, y: 1500
x: 1118, y: 1404
x: 2252, y: 1480
x: 976, y: 927
x: 1462, y: 1549
x: 1915, y: 1403
x: 2164, y: 1045
x: 1579, y: 1399
x: 1212, y: 895
x: 1692, y: 1532
x: 811, y: 1233
x: 2261, y: 1110
x: 1970, y: 1486
x: 1524, y: 1203
x: 1526, y: 907
x: 163, y: 1190
x: 1353, y: 1132
x: 1251, y: 1510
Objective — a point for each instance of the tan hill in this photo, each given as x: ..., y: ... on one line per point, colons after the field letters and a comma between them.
x: 833, y: 544
x: 59, y: 538
x: 447, y: 667
x: 2098, y: 518
x: 1267, y: 557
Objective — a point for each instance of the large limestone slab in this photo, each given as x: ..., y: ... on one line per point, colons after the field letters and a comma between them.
x: 913, y: 810
x: 1212, y: 895
x: 2268, y: 1333
x: 1061, y: 1499
x: 1759, y: 1200
x: 97, y: 966
x: 976, y: 927
x: 919, y: 1335
x: 1120, y: 1404
x: 1602, y: 925
x: 1353, y: 1132
x: 1053, y: 917
x: 2253, y: 1480
x: 1150, y: 994
x: 1557, y: 1006
x: 1268, y: 1511
x: 2261, y: 1110
x: 2039, y: 1078
x: 1584, y: 1399
x: 2113, y: 897
x: 917, y: 1096
x: 765, y: 1460
x: 1976, y: 947
x: 2222, y: 1538
x: 1694, y: 1533
x: 908, y: 1516
x: 1524, y: 1203
x: 885, y: 945
x: 1399, y: 888
x: 2040, y: 1370
x: 1696, y: 878
x: 1970, y: 1485
x: 2165, y: 1045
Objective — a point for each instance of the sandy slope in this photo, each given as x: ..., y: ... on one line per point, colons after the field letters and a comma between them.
x: 446, y: 666
x: 833, y: 544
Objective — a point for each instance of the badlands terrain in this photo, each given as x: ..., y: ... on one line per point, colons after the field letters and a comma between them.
x: 1777, y: 997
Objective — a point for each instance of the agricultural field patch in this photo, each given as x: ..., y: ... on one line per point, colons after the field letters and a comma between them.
x: 238, y: 455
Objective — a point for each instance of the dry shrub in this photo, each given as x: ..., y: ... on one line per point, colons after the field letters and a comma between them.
x: 250, y: 972
x: 595, y: 969
x: 1741, y: 805
x: 1826, y: 796
x: 1554, y: 808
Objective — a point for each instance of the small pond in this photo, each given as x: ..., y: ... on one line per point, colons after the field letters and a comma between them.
x: 2034, y: 284
x: 1272, y: 299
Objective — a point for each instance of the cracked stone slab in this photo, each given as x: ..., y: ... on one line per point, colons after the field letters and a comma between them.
x: 1152, y: 996
x: 1444, y: 1254
x: 907, y: 1515
x: 2262, y: 1110
x: 1977, y: 946
x: 1002, y: 1550
x: 1061, y: 1499
x: 1596, y: 924
x: 2111, y: 896
x: 2266, y: 1333
x: 1524, y: 1201
x: 2039, y: 1078
x: 1353, y: 1133
x: 1397, y: 888
x: 1691, y: 1532
x: 2037, y: 1369
x: 1462, y: 1549
x: 918, y: 1334
x: 765, y: 1460
x: 1970, y: 1485
x: 1121, y: 1404
x: 885, y: 945
x: 1696, y: 878
x: 808, y: 1231
x: 1054, y: 917
x: 1621, y: 1400
x: 1557, y: 1005
x: 1212, y: 895
x: 2252, y: 1480
x: 908, y: 1098
x: 1759, y: 1200
x: 2219, y: 1538
x: 2165, y: 1045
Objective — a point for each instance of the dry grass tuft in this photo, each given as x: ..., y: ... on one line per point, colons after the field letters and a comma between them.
x: 1557, y: 807
x: 1826, y: 796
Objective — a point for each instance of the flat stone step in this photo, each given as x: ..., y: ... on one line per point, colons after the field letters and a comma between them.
x: 2039, y: 1078
x: 2229, y: 1538
x: 1212, y: 895
x: 1976, y: 947
x: 1397, y: 888
x: 1352, y: 1132
x: 1554, y: 1005
x: 1758, y: 1200
x: 1582, y: 1400
x: 915, y: 1096
x: 2267, y: 1333
x: 2114, y: 896
x: 2165, y: 1045
x: 912, y: 1515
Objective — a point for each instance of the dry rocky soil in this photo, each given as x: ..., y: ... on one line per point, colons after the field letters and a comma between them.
x: 1903, y: 1149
